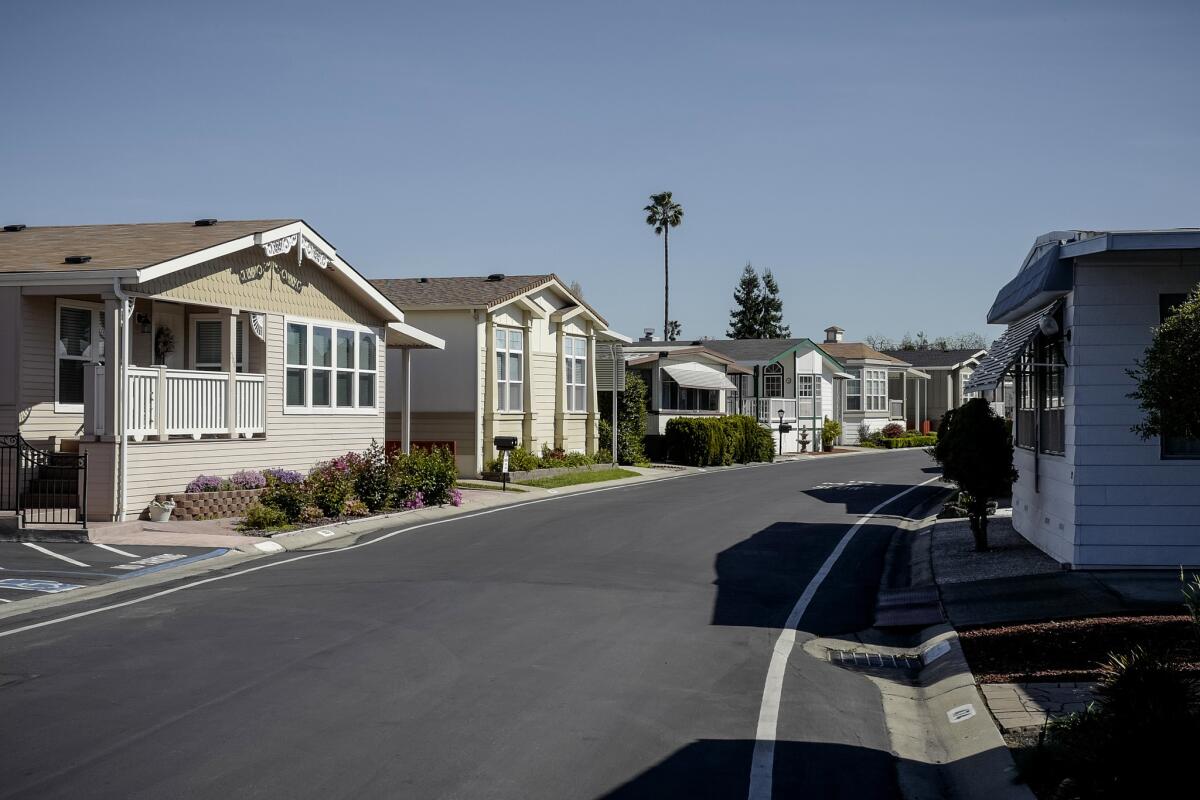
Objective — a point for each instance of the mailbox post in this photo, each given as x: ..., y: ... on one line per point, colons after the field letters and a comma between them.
x: 504, y: 444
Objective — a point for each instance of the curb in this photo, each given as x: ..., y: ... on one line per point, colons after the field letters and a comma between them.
x: 944, y: 737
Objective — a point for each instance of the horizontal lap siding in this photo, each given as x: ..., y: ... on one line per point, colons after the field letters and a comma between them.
x: 293, y: 441
x: 434, y: 427
x: 36, y: 413
x: 1133, y: 507
x: 575, y: 433
x: 543, y: 373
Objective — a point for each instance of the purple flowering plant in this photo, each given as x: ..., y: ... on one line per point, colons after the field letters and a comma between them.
x: 287, y: 476
x: 248, y: 479
x: 204, y: 483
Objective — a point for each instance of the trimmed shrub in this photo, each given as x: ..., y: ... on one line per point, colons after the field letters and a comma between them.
x: 893, y: 430
x: 908, y: 441
x: 714, y: 441
x: 261, y: 517
x: 428, y: 474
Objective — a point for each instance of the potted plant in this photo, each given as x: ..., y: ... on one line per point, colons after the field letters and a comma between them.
x: 161, y: 511
x: 830, y: 431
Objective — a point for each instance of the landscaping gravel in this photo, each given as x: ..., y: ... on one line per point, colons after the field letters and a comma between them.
x: 955, y: 559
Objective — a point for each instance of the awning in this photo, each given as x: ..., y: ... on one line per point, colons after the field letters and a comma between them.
x: 698, y: 376
x: 1005, y: 351
x: 1040, y: 281
x: 401, y: 334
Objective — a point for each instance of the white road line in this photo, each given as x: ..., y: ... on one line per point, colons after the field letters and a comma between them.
x: 115, y: 550
x: 762, y: 766
x: 2, y: 600
x: 59, y: 556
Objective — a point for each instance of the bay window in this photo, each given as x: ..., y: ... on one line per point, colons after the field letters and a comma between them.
x: 510, y: 369
x: 329, y: 369
x: 575, y: 371
x: 854, y: 391
x: 875, y: 387
x: 79, y: 340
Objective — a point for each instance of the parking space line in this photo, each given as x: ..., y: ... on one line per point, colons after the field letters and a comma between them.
x: 59, y: 556
x: 115, y: 550
x: 2, y: 600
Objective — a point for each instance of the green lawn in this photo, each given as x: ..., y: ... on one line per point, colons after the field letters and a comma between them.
x: 488, y: 486
x: 576, y: 478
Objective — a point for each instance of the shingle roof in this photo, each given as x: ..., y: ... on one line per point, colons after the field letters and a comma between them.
x: 844, y: 351
x: 43, y: 249
x: 932, y: 358
x: 752, y: 349
x: 464, y: 292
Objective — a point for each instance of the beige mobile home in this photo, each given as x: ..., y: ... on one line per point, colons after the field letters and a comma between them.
x: 162, y: 351
x: 520, y: 360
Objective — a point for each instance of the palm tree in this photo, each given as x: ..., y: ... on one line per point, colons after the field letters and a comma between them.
x: 662, y: 214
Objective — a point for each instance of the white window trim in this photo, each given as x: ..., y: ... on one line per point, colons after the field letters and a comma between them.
x: 308, y: 409
x: 243, y: 320
x: 508, y: 379
x: 769, y: 373
x: 97, y: 309
x: 569, y: 383
x: 880, y: 377
x: 858, y: 394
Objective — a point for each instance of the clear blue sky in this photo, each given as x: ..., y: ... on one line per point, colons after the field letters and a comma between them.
x: 891, y: 162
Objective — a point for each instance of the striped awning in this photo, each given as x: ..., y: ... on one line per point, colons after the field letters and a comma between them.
x: 698, y: 376
x: 1005, y: 351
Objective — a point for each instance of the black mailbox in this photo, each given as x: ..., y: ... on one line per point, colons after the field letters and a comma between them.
x: 785, y: 427
x: 505, y: 442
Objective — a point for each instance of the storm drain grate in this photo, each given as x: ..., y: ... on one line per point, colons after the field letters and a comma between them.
x: 861, y: 659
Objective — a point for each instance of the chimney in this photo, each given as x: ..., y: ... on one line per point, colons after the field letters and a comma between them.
x: 647, y: 335
x: 833, y: 334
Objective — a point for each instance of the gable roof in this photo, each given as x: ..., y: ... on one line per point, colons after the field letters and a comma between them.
x: 857, y: 350
x: 118, y: 247
x: 761, y: 351
x: 934, y: 358
x: 476, y: 291
x: 642, y: 353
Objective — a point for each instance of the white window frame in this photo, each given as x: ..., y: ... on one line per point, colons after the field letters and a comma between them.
x: 242, y: 320
x: 97, y: 313
x: 333, y: 408
x: 570, y: 360
x: 875, y: 389
x: 504, y: 384
x: 769, y: 375
x: 850, y: 393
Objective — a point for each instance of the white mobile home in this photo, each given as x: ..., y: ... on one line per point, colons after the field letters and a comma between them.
x: 1080, y: 313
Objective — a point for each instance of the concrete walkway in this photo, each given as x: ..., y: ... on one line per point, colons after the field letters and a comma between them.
x: 1030, y: 705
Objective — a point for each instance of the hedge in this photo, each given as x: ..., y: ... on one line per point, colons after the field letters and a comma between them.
x: 715, y: 441
x: 908, y: 441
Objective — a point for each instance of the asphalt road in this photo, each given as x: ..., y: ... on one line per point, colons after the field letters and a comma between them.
x: 604, y: 645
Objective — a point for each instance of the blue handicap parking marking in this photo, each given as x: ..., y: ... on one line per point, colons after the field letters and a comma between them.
x: 50, y: 587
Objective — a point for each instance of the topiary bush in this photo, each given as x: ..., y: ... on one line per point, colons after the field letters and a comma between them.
x: 893, y: 430
x: 976, y: 453
x: 715, y: 441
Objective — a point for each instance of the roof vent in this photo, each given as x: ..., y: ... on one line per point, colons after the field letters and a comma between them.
x: 496, y: 276
x: 77, y: 259
x: 13, y: 228
x: 207, y: 222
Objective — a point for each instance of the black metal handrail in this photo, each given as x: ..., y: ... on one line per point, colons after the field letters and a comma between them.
x: 41, y: 486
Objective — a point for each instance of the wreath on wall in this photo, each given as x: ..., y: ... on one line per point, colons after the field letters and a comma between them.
x: 164, y: 343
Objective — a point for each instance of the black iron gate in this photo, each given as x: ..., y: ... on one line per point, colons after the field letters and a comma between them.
x: 40, y: 486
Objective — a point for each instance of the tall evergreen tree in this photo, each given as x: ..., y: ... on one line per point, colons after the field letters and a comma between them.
x: 744, y: 320
x: 771, y: 321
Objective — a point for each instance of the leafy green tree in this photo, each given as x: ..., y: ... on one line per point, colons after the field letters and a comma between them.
x: 662, y: 214
x: 771, y: 314
x: 976, y: 453
x: 748, y: 299
x: 631, y: 420
x: 1168, y: 375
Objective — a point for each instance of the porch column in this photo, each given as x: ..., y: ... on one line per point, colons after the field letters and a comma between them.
x: 904, y: 397
x: 593, y: 418
x: 229, y: 318
x: 489, y: 390
x: 530, y: 413
x: 406, y: 418
x: 112, y: 366
x: 560, y: 389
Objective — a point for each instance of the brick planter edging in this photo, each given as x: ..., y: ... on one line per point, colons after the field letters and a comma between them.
x: 209, y: 505
x: 547, y: 472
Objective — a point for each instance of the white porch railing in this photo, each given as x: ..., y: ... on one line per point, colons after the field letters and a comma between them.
x: 174, y: 402
x: 766, y: 409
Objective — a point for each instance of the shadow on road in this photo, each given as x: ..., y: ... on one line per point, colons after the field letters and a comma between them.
x: 721, y: 769
x: 861, y: 498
